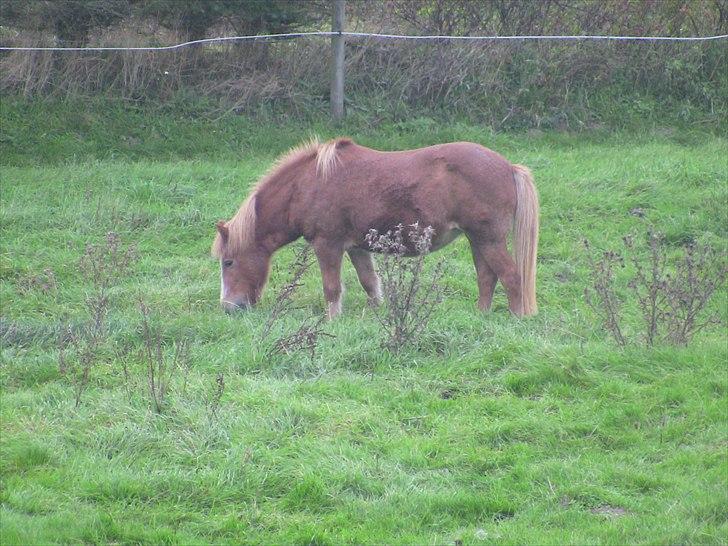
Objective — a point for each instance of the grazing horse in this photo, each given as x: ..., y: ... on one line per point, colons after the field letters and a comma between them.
x: 333, y: 193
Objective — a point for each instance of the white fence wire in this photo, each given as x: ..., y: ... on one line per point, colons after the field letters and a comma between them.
x: 290, y: 35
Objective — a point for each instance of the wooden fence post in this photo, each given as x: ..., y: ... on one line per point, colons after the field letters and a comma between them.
x: 337, y: 68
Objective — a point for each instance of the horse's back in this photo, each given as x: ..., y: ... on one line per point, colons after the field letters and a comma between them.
x: 459, y: 185
x: 447, y: 163
x: 463, y: 172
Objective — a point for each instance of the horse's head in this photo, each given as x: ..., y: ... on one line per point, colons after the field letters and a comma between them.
x: 243, y: 271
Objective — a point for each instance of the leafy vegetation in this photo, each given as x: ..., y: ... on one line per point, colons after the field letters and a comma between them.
x: 75, y: 22
x: 488, y: 430
x: 516, y: 84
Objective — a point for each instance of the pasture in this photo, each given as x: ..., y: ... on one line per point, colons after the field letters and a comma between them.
x: 489, y: 430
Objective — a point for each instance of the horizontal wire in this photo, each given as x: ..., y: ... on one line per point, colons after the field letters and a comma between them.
x: 373, y: 35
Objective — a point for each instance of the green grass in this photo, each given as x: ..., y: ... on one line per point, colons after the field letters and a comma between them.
x: 491, y: 430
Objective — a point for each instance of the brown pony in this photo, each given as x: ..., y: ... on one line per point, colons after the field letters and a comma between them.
x: 333, y: 193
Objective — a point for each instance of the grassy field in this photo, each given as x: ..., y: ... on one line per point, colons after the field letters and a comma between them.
x: 490, y: 430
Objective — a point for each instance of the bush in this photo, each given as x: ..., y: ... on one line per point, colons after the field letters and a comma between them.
x: 102, y: 266
x: 672, y: 295
x: 410, y: 295
x: 505, y: 84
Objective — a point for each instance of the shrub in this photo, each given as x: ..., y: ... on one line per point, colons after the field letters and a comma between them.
x: 102, y: 266
x: 672, y: 294
x: 410, y: 294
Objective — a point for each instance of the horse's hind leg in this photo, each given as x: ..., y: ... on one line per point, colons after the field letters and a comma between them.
x: 364, y: 265
x: 486, y: 279
x: 495, y: 256
x: 329, y: 258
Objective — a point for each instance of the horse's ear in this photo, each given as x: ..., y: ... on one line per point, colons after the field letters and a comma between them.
x: 222, y: 230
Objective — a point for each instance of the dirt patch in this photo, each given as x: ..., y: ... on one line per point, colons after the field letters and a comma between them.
x: 609, y: 511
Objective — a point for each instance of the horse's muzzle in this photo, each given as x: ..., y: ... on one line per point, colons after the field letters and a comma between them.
x: 232, y: 306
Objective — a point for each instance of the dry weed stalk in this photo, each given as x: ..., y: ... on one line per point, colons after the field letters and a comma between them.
x: 160, y: 369
x: 215, y: 398
x: 284, y: 299
x: 305, y: 338
x: 700, y: 271
x: 672, y: 295
x: 650, y: 284
x: 311, y: 330
x: 103, y: 266
x: 410, y: 294
x: 607, y: 305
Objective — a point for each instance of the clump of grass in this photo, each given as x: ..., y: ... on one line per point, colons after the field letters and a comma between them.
x: 409, y: 292
x: 44, y: 282
x: 672, y: 295
x: 102, y: 266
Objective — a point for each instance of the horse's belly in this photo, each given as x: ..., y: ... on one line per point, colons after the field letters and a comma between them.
x: 442, y: 238
x: 445, y: 238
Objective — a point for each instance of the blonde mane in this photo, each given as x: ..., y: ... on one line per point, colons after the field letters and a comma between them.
x: 241, y: 227
x: 327, y: 158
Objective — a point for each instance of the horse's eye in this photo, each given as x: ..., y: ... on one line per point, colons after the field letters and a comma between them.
x: 227, y: 263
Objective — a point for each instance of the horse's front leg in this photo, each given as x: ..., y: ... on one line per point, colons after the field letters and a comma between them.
x: 368, y: 278
x: 329, y: 257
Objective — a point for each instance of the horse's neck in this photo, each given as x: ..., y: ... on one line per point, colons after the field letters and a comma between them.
x: 273, y: 227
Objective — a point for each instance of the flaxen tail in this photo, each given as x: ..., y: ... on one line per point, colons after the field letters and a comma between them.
x: 525, y: 236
